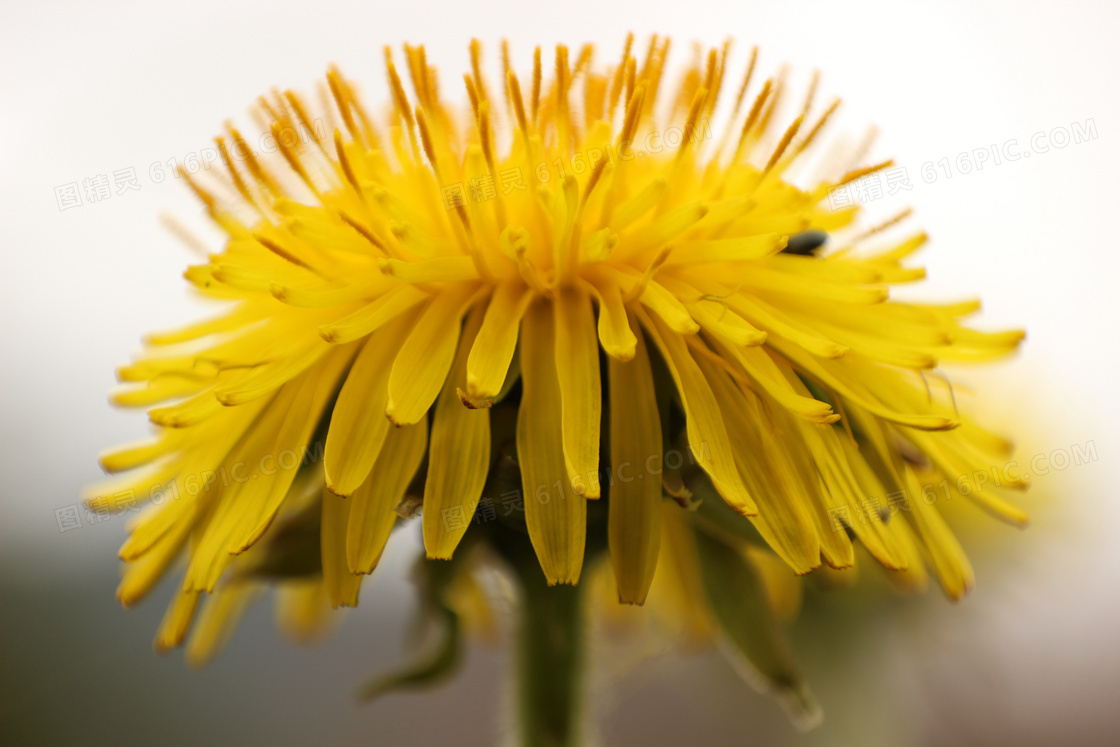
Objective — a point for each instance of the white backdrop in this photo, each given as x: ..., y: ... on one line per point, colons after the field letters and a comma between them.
x: 92, y: 89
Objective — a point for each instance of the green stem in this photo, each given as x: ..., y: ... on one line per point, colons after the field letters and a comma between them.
x: 550, y: 660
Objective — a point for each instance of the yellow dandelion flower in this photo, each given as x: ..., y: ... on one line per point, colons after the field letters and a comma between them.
x: 558, y: 306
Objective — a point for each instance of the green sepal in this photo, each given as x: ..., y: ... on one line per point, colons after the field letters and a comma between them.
x: 753, y: 638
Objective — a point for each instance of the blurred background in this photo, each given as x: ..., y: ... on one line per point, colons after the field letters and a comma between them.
x: 1030, y: 657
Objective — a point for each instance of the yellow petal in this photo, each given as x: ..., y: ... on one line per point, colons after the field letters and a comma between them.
x: 176, y: 621
x: 372, y: 316
x: 707, y: 434
x: 141, y: 576
x: 667, y: 306
x: 371, y: 511
x: 914, y: 578
x: 734, y: 249
x: 942, y: 549
x: 162, y: 389
x: 131, y: 456
x: 677, y: 595
x: 634, y: 522
x: 274, y: 471
x: 770, y: 319
x: 440, y: 270
x: 341, y: 584
x: 320, y: 297
x: 844, y: 474
x: 358, y: 423
x: 459, y: 456
x: 220, y: 615
x: 615, y: 334
x: 197, y: 409
x: 644, y: 241
x: 421, y: 364
x: 197, y: 479
x: 762, y: 369
x: 473, y: 603
x: 577, y: 371
x: 783, y: 519
x: 639, y: 205
x: 556, y: 516
x: 258, y: 476
x: 849, y: 384
x: 271, y: 376
x: 719, y: 320
x: 783, y: 589
x: 241, y: 314
x: 303, y: 610
x: 902, y: 250
x: 492, y: 351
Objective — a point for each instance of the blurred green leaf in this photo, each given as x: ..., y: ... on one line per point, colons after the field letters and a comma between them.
x: 429, y: 669
x: 445, y: 640
x: 290, y: 549
x: 711, y: 508
x: 752, y: 634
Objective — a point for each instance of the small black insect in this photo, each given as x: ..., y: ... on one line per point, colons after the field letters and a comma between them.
x: 806, y: 243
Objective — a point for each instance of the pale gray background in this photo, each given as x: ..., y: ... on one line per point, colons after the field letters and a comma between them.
x: 1032, y: 656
